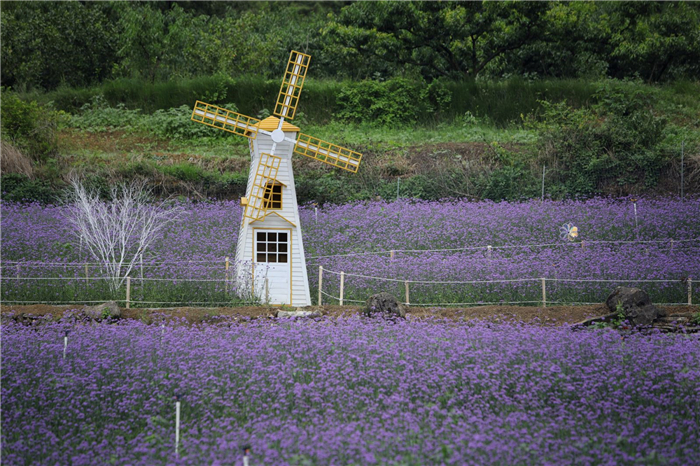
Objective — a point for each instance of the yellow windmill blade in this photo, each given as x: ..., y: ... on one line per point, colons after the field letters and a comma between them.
x: 261, y: 191
x: 292, y: 83
x: 228, y: 120
x: 328, y: 153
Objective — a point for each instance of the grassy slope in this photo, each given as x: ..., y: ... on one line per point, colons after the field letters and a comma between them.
x: 217, y: 166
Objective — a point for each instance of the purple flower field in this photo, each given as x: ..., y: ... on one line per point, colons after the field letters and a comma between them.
x: 348, y: 391
x: 660, y: 245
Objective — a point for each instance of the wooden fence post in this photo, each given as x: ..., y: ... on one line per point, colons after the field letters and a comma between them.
x: 544, y: 292
x: 128, y: 292
x: 342, y: 286
x: 690, y: 291
x: 407, y: 299
x: 391, y: 255
x: 226, y: 274
x: 320, y: 284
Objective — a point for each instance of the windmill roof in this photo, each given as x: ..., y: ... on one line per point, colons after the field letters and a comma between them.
x: 270, y: 124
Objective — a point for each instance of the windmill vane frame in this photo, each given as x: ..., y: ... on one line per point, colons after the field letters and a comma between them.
x: 270, y: 251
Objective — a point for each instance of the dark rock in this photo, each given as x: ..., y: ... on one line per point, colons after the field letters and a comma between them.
x: 634, y: 305
x: 384, y: 304
x: 108, y: 310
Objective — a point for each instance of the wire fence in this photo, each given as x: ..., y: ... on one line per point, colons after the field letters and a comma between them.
x: 213, y: 282
x: 353, y: 288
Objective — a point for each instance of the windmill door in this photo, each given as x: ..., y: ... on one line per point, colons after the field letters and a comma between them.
x: 273, y: 265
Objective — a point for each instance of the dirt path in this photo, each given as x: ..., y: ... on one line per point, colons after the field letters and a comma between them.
x: 551, y: 315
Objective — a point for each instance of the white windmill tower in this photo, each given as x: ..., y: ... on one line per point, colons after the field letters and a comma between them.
x: 270, y: 258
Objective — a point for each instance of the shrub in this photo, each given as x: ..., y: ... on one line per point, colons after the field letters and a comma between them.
x: 175, y: 123
x: 19, y: 188
x: 393, y: 102
x: 30, y: 127
x: 98, y: 115
x: 614, y: 147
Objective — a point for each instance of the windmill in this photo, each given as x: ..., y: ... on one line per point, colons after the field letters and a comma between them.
x: 270, y: 258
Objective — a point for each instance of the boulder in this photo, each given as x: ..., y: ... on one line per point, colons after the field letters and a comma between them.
x: 384, y: 304
x: 103, y: 311
x: 634, y: 304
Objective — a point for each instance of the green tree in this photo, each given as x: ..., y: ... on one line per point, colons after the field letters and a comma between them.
x: 655, y: 39
x: 155, y: 43
x: 45, y: 44
x: 452, y: 39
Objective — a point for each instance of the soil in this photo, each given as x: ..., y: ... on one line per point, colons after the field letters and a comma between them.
x: 551, y: 315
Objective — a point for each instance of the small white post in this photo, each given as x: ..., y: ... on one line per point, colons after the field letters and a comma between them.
x: 407, y: 300
x: 65, y: 344
x: 246, y: 450
x: 162, y: 329
x: 177, y: 426
x: 87, y: 275
x: 636, y: 224
x: 682, y: 165
x: 690, y: 291
x: 17, y: 270
x: 141, y: 267
x: 342, y: 286
x: 671, y: 245
x: 316, y: 213
x: 320, y: 284
x: 391, y: 255
x: 544, y: 292
x: 488, y: 251
x: 544, y: 167
x: 226, y: 274
x: 128, y: 292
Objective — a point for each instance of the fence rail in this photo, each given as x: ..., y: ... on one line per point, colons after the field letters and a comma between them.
x: 544, y: 301
x: 213, y: 283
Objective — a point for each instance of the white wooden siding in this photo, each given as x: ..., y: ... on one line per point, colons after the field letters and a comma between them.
x: 244, y: 251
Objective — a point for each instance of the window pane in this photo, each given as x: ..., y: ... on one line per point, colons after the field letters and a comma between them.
x: 282, y: 258
x: 272, y: 247
x: 261, y: 236
x: 282, y: 247
x: 261, y: 257
x: 272, y: 257
x: 283, y: 238
x: 272, y: 236
x: 262, y: 247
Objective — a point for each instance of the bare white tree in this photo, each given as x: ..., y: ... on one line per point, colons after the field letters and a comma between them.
x: 117, y: 232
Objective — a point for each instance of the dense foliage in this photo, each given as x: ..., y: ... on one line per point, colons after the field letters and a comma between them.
x: 347, y: 392
x: 48, y: 44
x: 420, y: 73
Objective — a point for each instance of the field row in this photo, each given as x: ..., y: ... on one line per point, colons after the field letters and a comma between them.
x: 380, y: 246
x: 347, y: 392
